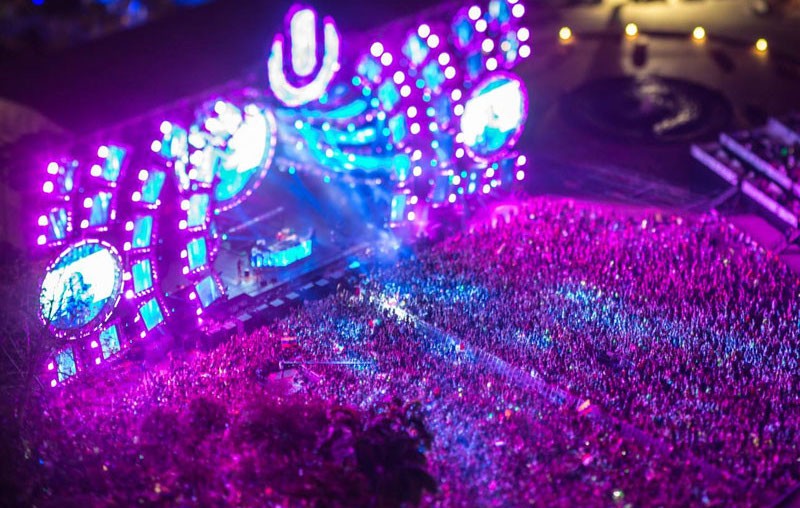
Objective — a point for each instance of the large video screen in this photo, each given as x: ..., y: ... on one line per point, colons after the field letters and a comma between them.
x: 82, y: 285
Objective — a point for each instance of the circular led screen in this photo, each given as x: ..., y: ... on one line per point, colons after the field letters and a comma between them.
x: 81, y: 287
x: 494, y: 116
x: 237, y: 146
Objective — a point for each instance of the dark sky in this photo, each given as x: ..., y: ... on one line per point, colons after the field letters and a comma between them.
x: 128, y: 73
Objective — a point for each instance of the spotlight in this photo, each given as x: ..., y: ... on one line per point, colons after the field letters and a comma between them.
x: 761, y: 45
x: 565, y: 33
x: 631, y: 30
x: 699, y: 33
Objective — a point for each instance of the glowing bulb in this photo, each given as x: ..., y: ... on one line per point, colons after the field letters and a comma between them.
x: 699, y: 33
x: 102, y: 152
x: 474, y: 12
x: 444, y: 59
x: 487, y: 45
x: 491, y: 64
x: 399, y: 77
x: 51, y: 366
x: 376, y: 49
x: 424, y: 31
x: 481, y: 25
x: 433, y: 41
x: 41, y: 240
x: 450, y: 72
x: 520, y: 175
x: 631, y: 30
x: 518, y: 10
x: 523, y: 34
x: 451, y: 198
x: 455, y: 94
x: 165, y: 127
x: 386, y: 59
x: 525, y: 51
x: 415, y: 128
x: 155, y: 146
x: 42, y: 220
x: 412, y: 112
x: 761, y: 45
x: 52, y: 168
x: 96, y: 170
x: 405, y: 91
x: 412, y: 215
x: 53, y: 383
x: 47, y: 187
x: 87, y: 202
x: 565, y: 33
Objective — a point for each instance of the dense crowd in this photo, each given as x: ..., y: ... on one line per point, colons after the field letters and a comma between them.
x: 559, y: 355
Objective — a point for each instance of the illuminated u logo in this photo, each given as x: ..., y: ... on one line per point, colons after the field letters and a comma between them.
x: 294, y: 82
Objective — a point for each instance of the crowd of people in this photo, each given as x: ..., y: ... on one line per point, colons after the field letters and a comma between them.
x: 559, y: 355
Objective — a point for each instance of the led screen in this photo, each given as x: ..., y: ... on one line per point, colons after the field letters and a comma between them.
x: 197, y: 253
x: 208, y: 291
x: 151, y: 314
x: 198, y: 208
x: 151, y: 189
x: 58, y: 222
x: 494, y: 115
x: 142, y: 276
x: 82, y: 284
x: 113, y: 163
x: 100, y: 208
x: 65, y: 363
x: 109, y: 341
x: 142, y: 232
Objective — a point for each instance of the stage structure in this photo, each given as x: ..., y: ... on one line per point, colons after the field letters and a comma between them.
x: 428, y: 111
x: 100, y: 291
